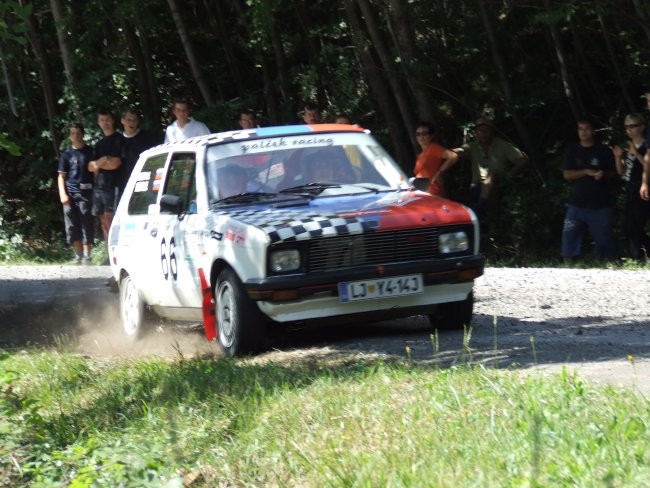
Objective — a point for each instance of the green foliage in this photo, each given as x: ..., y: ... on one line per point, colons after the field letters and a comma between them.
x: 316, y: 422
x: 272, y: 55
x: 11, y: 147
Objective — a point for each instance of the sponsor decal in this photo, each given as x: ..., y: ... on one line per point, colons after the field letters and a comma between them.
x: 236, y: 234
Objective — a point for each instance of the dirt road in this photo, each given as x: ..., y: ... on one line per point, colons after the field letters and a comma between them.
x: 596, y: 322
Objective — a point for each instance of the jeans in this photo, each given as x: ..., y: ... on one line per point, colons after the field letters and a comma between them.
x: 598, y: 221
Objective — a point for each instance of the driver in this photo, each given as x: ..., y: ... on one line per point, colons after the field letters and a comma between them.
x: 321, y: 166
x: 231, y: 180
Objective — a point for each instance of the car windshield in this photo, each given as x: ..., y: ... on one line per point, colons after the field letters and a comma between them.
x: 329, y: 163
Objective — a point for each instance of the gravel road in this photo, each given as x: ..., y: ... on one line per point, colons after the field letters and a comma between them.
x: 595, y: 322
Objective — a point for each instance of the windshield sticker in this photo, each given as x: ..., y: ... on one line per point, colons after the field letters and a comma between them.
x: 141, y: 186
x: 286, y: 143
x: 157, y: 178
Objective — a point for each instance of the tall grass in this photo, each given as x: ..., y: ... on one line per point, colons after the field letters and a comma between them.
x: 67, y: 420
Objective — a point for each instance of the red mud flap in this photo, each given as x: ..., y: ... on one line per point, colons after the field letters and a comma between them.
x: 209, y: 315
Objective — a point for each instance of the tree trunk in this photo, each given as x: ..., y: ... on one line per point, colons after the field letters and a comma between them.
x: 48, y: 89
x: 584, y: 66
x: 407, y: 116
x: 530, y: 148
x: 403, y: 35
x: 66, y: 52
x: 564, y: 72
x: 641, y: 11
x: 380, y: 90
x: 216, y: 21
x: 280, y: 63
x: 192, y: 59
x: 305, y: 25
x: 152, y: 85
x: 5, y: 75
x: 150, y: 105
x: 631, y: 107
x: 275, y: 115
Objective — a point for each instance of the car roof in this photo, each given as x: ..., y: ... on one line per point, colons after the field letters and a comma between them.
x: 257, y: 133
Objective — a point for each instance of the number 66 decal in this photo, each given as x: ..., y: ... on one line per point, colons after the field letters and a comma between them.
x: 168, y: 258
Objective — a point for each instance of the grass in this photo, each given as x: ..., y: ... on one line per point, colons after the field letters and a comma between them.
x: 68, y: 420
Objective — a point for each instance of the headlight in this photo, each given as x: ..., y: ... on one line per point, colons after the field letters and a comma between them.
x: 453, y: 242
x: 287, y: 260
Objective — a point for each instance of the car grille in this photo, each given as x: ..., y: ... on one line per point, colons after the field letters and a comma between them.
x: 372, y: 248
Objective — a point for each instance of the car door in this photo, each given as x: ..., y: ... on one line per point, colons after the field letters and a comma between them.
x: 179, y: 234
x: 138, y: 228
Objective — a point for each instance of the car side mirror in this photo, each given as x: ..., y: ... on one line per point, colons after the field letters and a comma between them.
x: 171, y: 204
x: 421, y: 184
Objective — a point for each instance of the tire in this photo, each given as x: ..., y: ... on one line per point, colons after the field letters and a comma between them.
x: 453, y: 315
x: 240, y: 326
x: 132, y: 310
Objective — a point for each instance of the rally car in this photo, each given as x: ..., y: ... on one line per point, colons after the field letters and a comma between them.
x: 253, y: 228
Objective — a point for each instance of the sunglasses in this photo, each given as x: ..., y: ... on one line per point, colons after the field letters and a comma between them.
x: 423, y: 133
x: 632, y: 126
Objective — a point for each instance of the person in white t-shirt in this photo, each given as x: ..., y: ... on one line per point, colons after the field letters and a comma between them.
x: 184, y: 126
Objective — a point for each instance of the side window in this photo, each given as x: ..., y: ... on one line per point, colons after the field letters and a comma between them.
x: 181, y: 180
x: 147, y: 185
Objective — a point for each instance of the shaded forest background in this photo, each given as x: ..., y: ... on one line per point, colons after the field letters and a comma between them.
x: 534, y: 66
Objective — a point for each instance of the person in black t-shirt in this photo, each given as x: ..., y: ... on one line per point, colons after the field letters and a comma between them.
x: 75, y: 184
x: 629, y: 164
x: 105, y: 165
x: 589, y: 168
x: 135, y: 140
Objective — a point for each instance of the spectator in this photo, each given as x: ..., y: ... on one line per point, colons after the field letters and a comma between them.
x: 311, y: 114
x: 105, y: 165
x: 247, y: 119
x: 434, y: 159
x: 342, y: 119
x: 590, y: 169
x: 184, y: 126
x: 136, y: 140
x: 75, y: 183
x: 493, y: 161
x: 629, y: 164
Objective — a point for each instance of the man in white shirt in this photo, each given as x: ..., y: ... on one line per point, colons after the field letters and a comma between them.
x: 184, y: 126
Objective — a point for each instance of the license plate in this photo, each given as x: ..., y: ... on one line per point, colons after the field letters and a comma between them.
x: 380, y: 288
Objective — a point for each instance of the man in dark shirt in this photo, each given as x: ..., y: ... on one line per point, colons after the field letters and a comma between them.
x: 75, y: 184
x: 589, y: 168
x: 135, y: 140
x: 105, y: 165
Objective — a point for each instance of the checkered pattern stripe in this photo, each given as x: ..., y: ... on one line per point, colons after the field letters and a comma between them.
x: 292, y: 225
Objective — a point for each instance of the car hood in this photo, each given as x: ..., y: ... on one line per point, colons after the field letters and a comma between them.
x: 353, y: 214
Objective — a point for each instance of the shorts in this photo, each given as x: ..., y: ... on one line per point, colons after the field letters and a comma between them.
x: 105, y: 201
x: 78, y: 219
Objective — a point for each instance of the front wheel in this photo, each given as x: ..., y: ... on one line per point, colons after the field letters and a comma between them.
x: 453, y: 315
x: 132, y: 310
x: 239, y: 321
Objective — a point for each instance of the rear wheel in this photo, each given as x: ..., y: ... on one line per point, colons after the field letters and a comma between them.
x: 132, y: 310
x: 240, y: 325
x: 453, y: 315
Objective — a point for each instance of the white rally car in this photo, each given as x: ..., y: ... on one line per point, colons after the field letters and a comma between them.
x: 293, y: 224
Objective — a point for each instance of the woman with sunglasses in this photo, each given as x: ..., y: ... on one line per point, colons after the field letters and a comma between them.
x: 629, y: 164
x: 433, y: 160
